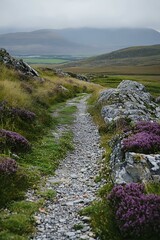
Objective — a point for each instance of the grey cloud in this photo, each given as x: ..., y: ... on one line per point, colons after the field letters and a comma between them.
x: 37, y: 14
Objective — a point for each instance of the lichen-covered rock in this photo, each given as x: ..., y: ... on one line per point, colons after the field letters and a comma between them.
x: 78, y: 76
x: 158, y: 99
x: 129, y: 100
x: 61, y: 73
x: 137, y: 168
x: 18, y: 65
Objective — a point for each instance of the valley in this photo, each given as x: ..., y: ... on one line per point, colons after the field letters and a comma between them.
x: 59, y: 137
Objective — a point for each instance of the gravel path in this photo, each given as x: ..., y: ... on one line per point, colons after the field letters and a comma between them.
x: 76, y: 187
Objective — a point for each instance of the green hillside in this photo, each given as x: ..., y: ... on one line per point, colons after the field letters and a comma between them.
x: 141, y: 55
x: 132, y: 52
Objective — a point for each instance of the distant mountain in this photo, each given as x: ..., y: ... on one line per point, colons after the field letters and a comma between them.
x: 41, y: 42
x: 107, y: 40
x: 78, y: 41
x: 133, y: 56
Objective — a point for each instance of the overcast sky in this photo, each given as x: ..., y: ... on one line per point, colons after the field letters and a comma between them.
x: 39, y: 14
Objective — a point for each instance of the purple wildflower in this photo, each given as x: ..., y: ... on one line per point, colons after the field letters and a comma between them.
x: 149, y: 127
x: 142, y: 142
x: 14, y: 141
x: 136, y: 213
x: 23, y: 114
x: 8, y: 166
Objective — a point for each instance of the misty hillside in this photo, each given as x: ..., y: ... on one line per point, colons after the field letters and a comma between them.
x: 41, y: 42
x: 78, y: 41
x: 111, y: 38
x: 135, y: 56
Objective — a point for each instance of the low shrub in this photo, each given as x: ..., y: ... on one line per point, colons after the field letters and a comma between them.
x: 7, y: 111
x: 13, y: 141
x: 8, y: 165
x: 23, y: 114
x: 149, y: 127
x: 142, y: 142
x: 137, y: 214
x: 145, y: 138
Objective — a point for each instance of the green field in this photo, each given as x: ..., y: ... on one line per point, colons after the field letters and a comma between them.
x: 152, y: 83
x: 45, y: 60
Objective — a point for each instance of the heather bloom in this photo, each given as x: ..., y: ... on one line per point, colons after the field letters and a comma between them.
x: 7, y: 111
x: 145, y: 138
x: 149, y: 127
x: 8, y: 166
x: 23, y: 114
x: 14, y: 141
x: 136, y: 213
x: 142, y: 142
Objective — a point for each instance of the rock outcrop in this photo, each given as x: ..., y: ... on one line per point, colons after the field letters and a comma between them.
x: 61, y: 73
x: 132, y: 167
x: 18, y: 65
x: 130, y: 101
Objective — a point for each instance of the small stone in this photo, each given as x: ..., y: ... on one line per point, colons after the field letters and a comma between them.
x: 85, y: 237
x: 69, y: 203
x: 79, y: 201
x: 74, y: 176
x: 70, y: 234
x: 86, y: 219
x: 62, y: 220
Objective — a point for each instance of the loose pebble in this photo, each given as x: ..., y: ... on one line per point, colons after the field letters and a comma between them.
x: 75, y: 186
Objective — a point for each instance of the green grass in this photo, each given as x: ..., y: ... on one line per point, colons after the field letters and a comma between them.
x: 48, y: 194
x: 102, y: 220
x: 152, y: 187
x: 46, y: 154
x: 151, y: 83
x: 45, y: 60
x: 13, y: 187
x: 66, y: 115
x: 17, y: 222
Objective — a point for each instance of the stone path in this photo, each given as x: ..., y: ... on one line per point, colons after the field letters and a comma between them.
x: 76, y: 187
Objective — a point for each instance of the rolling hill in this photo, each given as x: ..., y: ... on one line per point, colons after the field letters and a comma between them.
x: 142, y: 55
x: 144, y: 58
x: 78, y: 41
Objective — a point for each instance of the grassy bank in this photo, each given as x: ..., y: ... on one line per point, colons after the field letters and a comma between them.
x: 31, y: 109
